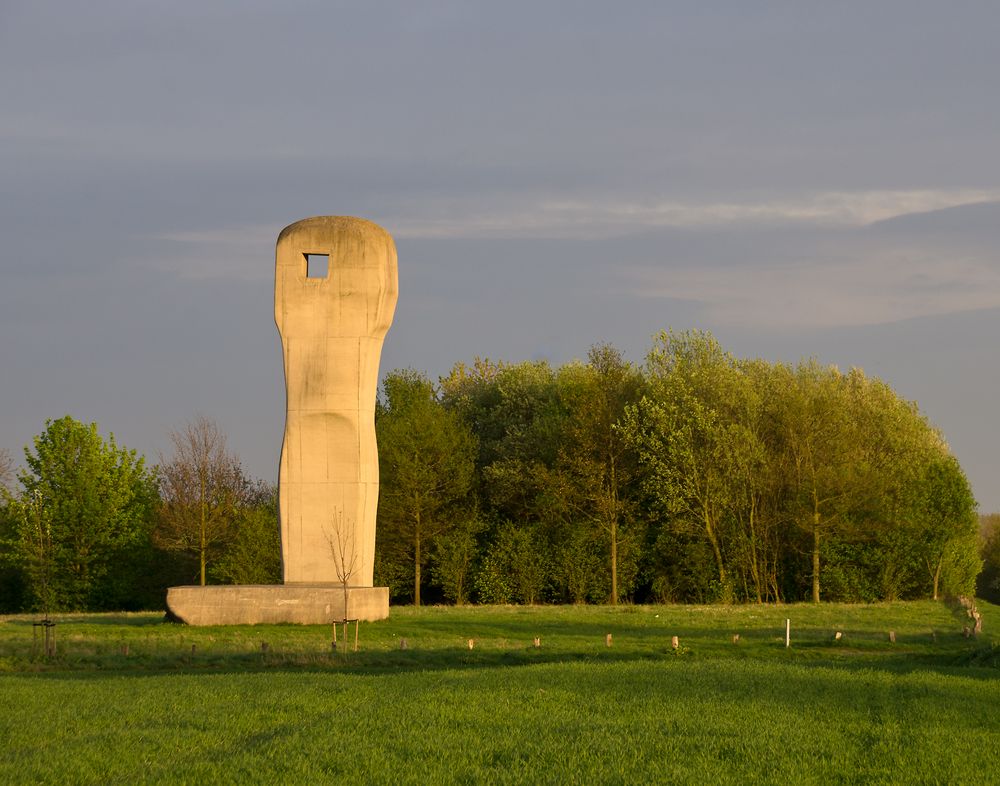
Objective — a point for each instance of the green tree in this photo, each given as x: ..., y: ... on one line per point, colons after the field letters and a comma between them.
x: 823, y: 455
x: 518, y: 414
x: 679, y: 431
x: 454, y: 557
x: 426, y: 468
x: 85, y: 506
x: 749, y: 450
x: 599, y: 462
x: 202, y: 488
x: 11, y: 570
x: 946, y: 526
x: 988, y: 582
x: 514, y: 567
x: 253, y: 556
x: 894, y: 444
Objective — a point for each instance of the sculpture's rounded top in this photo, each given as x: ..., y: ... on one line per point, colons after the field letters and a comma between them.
x: 334, y: 225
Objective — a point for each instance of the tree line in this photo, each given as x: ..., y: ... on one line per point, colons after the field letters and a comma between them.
x: 694, y: 477
x: 88, y: 525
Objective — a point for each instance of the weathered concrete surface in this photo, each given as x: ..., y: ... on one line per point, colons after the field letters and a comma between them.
x: 331, y: 331
x: 262, y: 604
x: 331, y: 335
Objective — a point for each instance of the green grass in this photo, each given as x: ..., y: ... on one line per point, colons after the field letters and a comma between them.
x: 860, y: 710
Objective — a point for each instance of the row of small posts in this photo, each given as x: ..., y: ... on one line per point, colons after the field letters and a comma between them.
x: 47, y: 637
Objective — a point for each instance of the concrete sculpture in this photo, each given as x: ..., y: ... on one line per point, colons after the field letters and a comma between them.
x: 331, y: 327
x: 335, y: 288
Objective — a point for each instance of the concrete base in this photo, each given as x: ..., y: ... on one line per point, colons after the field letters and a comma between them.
x: 257, y: 604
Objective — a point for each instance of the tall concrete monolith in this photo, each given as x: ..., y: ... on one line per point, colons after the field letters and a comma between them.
x: 335, y: 288
x: 332, y: 325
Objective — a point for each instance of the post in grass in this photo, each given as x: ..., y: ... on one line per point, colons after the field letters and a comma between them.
x: 788, y: 633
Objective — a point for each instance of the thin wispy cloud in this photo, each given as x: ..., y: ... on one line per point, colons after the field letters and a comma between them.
x: 582, y: 219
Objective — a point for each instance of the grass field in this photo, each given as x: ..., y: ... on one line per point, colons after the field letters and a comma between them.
x: 574, y: 710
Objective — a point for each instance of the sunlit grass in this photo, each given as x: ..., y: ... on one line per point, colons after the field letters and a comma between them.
x: 572, y: 710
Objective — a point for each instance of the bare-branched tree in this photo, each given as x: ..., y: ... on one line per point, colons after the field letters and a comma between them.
x: 6, y: 470
x: 343, y: 546
x: 201, y: 487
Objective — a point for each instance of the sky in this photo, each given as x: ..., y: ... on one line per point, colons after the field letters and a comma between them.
x: 799, y: 178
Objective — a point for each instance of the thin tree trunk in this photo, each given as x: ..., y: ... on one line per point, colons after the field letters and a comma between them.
x: 714, y: 541
x: 613, y: 493
x: 937, y: 577
x: 416, y: 564
x: 755, y: 568
x: 815, y: 556
x: 614, y: 562
x: 201, y: 548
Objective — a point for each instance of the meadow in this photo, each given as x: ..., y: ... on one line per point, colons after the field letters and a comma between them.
x: 131, y: 698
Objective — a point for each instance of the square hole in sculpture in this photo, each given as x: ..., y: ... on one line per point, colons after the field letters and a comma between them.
x: 317, y: 265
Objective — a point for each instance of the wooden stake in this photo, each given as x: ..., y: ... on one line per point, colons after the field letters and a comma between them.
x: 736, y: 638
x: 607, y: 640
x: 788, y: 633
x: 537, y: 642
x: 472, y: 644
x: 892, y: 636
x: 356, y: 623
x: 838, y: 636
x: 675, y: 642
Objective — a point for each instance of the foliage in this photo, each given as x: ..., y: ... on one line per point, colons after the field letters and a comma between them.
x: 79, y: 527
x: 601, y: 470
x: 696, y: 477
x: 701, y: 477
x: 944, y: 526
x: 426, y: 457
x: 768, y: 462
x: 552, y: 463
x: 254, y: 554
x: 700, y: 432
x: 454, y: 558
x: 202, y: 487
x: 514, y: 568
x: 988, y: 583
